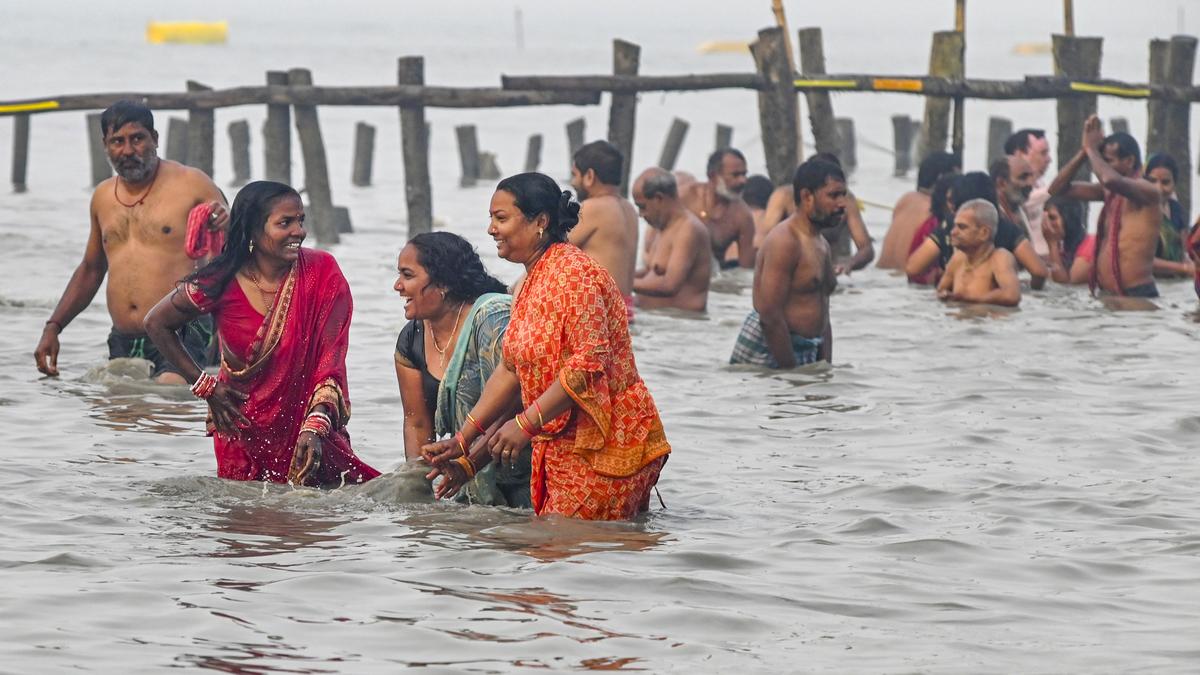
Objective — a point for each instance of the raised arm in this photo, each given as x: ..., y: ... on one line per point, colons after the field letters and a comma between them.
x: 80, y: 291
x: 1143, y: 193
x: 772, y: 281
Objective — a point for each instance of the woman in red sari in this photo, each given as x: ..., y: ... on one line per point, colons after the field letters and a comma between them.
x: 598, y: 442
x: 279, y: 406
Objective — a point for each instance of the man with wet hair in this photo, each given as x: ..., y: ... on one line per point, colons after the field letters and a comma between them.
x: 1031, y: 146
x: 1127, y: 230
x: 794, y: 277
x: 719, y: 205
x: 608, y: 228
x: 1013, y: 178
x: 979, y: 271
x: 678, y: 270
x: 138, y: 226
x: 912, y: 209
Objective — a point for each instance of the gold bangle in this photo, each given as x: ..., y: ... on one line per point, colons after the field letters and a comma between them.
x: 521, y: 425
x: 466, y: 464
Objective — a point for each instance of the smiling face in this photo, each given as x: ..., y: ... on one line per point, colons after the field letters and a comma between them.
x: 279, y: 241
x: 422, y: 300
x: 516, y: 236
x: 132, y: 151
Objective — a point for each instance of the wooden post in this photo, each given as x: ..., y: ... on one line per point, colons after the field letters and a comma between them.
x: 1118, y: 124
x: 316, y: 168
x: 673, y: 143
x: 1069, y: 19
x: 239, y: 141
x: 820, y: 106
x: 945, y: 60
x: 724, y: 136
x: 341, y: 220
x: 414, y: 141
x: 202, y: 131
x: 902, y: 133
x: 847, y: 150
x: 960, y: 25
x: 776, y: 104
x: 575, y: 132
x: 468, y: 154
x: 622, y: 115
x: 999, y: 129
x: 1156, y: 118
x: 177, y: 140
x: 1181, y: 61
x: 533, y: 153
x: 1075, y: 57
x: 364, y: 154
x: 20, y: 162
x: 101, y: 169
x: 489, y: 168
x: 277, y: 135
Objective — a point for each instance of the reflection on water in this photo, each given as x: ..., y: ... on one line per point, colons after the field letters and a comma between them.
x: 251, y: 531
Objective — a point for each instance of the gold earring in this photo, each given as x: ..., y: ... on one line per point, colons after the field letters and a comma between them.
x: 540, y: 233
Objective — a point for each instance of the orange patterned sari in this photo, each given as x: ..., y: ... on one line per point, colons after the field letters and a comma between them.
x: 600, y: 459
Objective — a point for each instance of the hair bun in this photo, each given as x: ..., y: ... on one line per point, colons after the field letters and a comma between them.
x: 568, y: 211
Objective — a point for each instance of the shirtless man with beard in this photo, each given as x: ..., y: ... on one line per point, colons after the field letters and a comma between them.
x: 138, y: 229
x: 718, y: 203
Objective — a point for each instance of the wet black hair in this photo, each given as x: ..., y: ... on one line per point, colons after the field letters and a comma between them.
x: 1127, y: 146
x: 972, y: 185
x: 757, y: 191
x: 1074, y: 231
x: 936, y: 165
x: 535, y: 194
x: 937, y: 197
x: 452, y: 263
x: 249, y: 214
x: 1021, y: 139
x: 1164, y: 161
x: 812, y: 176
x: 123, y: 112
x: 715, y: 159
x: 828, y: 157
x: 602, y: 157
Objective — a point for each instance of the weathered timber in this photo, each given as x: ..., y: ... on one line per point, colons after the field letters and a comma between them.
x: 177, y: 140
x: 945, y: 60
x: 777, y: 105
x: 468, y: 154
x: 364, y: 154
x: 673, y: 143
x: 1118, y: 124
x: 1075, y: 57
x: 622, y: 113
x: 724, y: 136
x: 101, y: 169
x: 414, y: 142
x: 1181, y: 62
x: 902, y: 135
x: 533, y: 153
x: 277, y: 135
x: 202, y: 132
x: 999, y: 129
x: 633, y: 83
x: 1156, y: 110
x: 341, y: 220
x: 239, y: 143
x: 847, y: 150
x: 820, y: 106
x: 576, y: 129
x: 489, y: 168
x: 20, y: 158
x: 316, y: 166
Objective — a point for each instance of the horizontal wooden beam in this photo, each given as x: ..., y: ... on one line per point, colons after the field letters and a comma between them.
x: 633, y: 83
x: 1032, y: 87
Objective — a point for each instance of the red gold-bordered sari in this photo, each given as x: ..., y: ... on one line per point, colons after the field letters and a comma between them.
x: 287, y: 362
x: 600, y: 459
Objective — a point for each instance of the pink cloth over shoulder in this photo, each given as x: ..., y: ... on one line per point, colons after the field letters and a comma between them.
x: 202, y: 240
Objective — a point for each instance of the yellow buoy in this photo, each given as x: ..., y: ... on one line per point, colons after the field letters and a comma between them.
x: 187, y: 32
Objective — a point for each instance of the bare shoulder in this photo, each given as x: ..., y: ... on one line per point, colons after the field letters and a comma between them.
x: 697, y: 229
x: 1002, y: 259
x: 781, y: 242
x: 102, y: 196
x: 957, y: 259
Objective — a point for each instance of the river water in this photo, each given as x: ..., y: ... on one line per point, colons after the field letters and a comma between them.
x: 963, y: 490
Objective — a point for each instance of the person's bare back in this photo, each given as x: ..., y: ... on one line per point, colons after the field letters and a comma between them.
x: 607, y: 231
x: 679, y: 269
x: 911, y: 210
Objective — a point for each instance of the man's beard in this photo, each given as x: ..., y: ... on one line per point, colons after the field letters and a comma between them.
x: 580, y: 192
x: 725, y: 192
x: 134, y: 169
x: 1020, y: 196
x: 825, y: 221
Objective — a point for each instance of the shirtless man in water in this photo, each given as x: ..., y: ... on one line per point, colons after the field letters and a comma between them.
x: 979, y: 271
x: 912, y: 209
x: 678, y: 270
x: 139, y: 224
x: 718, y: 203
x: 793, y: 277
x: 608, y: 228
x: 1127, y: 232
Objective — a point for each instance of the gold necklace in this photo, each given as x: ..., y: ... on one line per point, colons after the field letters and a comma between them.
x: 268, y: 297
x: 433, y: 335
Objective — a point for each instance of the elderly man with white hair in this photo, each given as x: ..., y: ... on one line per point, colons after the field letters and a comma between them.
x: 979, y: 272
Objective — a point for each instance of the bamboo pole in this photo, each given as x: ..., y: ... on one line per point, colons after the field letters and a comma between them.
x: 1069, y: 18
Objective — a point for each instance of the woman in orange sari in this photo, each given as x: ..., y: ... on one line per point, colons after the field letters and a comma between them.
x: 598, y: 442
x: 279, y: 406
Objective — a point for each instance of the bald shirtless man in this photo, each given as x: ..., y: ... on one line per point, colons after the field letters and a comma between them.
x: 607, y: 229
x: 138, y: 227
x: 1127, y: 231
x: 793, y: 277
x: 912, y: 209
x: 718, y: 203
x: 678, y: 270
x: 979, y: 271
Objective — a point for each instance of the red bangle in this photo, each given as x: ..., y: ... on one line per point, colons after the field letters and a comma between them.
x: 462, y: 442
x: 475, y: 423
x: 541, y: 420
x: 204, y: 386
